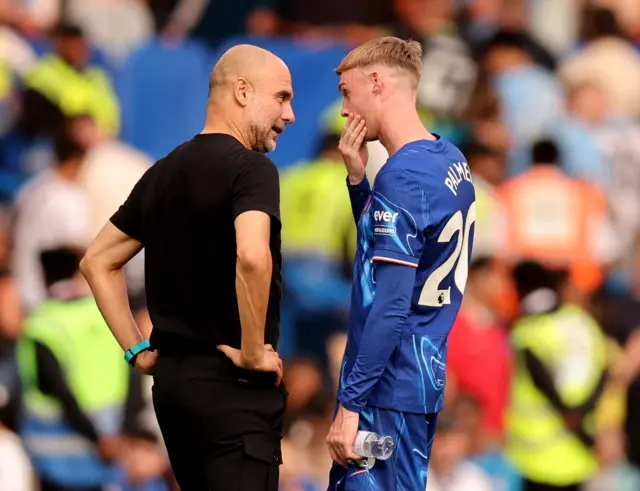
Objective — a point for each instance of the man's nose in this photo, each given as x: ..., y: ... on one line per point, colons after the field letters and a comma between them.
x: 288, y: 116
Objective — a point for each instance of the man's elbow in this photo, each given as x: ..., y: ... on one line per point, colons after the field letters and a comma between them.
x: 254, y: 258
x: 87, y: 265
x: 90, y: 265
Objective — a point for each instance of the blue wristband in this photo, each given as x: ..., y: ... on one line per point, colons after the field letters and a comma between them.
x: 131, y: 353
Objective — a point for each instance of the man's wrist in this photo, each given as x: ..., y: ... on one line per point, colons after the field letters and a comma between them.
x: 250, y: 357
x: 132, y: 353
x: 349, y: 405
x: 356, y: 179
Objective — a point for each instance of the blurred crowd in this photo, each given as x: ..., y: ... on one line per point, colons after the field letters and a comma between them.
x: 543, y: 97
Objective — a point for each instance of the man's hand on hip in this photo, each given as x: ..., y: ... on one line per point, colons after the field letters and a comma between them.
x: 146, y: 361
x: 266, y: 361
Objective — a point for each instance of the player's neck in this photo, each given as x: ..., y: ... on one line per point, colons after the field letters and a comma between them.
x: 400, y: 127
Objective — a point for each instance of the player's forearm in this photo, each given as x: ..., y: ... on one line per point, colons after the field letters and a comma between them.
x: 110, y: 292
x: 253, y: 281
x: 382, y: 332
x: 358, y: 194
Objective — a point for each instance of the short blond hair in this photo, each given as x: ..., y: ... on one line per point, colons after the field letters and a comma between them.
x: 388, y: 51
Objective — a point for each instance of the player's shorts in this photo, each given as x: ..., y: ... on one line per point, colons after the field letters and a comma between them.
x: 406, y: 469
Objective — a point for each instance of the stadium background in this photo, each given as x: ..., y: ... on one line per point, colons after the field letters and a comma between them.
x: 543, y: 95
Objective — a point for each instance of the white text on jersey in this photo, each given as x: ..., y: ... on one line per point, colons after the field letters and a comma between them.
x: 457, y: 173
x: 384, y: 216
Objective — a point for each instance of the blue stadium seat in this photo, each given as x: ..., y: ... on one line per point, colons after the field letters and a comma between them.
x: 163, y: 90
x: 315, y: 88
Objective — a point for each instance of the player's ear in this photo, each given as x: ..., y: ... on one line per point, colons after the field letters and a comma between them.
x: 241, y: 91
x: 376, y: 82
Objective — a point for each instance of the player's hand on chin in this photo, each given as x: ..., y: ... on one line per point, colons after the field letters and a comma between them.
x: 342, y: 436
x: 353, y: 149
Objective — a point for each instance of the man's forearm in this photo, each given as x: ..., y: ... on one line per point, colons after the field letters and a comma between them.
x: 381, y: 334
x: 358, y: 194
x: 110, y: 291
x: 253, y: 282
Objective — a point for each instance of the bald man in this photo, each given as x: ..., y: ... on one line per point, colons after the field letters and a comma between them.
x: 208, y: 217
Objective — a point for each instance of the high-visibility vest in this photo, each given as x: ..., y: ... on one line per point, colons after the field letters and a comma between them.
x: 316, y: 211
x: 77, y: 92
x: 6, y: 80
x: 96, y: 374
x: 573, y: 348
x: 550, y: 218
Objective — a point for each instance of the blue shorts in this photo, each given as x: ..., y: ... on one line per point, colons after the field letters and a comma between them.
x: 406, y: 469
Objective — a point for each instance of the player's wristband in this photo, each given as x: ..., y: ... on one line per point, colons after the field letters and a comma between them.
x: 131, y: 354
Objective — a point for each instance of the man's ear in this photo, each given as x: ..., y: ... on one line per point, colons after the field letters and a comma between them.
x: 376, y: 82
x: 242, y: 91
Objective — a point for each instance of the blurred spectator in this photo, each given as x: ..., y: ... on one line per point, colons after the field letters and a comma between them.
x: 627, y: 12
x: 66, y: 393
x: 11, y: 317
x: 32, y: 18
x: 559, y: 379
x: 576, y: 134
x: 107, y: 175
x: 304, y: 381
x: 484, y: 119
x: 354, y: 22
x: 607, y: 59
x: 51, y: 210
x: 213, y: 21
x: 116, y: 27
x: 530, y: 96
x: 555, y: 23
x: 448, y: 70
x: 479, y: 350
x: 449, y: 467
x: 558, y: 220
x: 488, y: 169
x: 616, y: 138
x: 305, y: 456
x: 64, y: 84
x: 619, y: 314
x: 16, y: 59
x: 503, y: 475
x: 15, y: 52
x: 318, y: 238
x: 16, y: 472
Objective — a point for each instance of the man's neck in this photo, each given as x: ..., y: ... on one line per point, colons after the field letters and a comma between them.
x: 217, y: 123
x: 402, y: 126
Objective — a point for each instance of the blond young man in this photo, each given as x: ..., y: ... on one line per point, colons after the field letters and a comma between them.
x: 415, y: 234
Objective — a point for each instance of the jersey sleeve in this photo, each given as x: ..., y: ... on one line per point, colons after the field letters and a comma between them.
x: 256, y: 187
x: 399, y: 212
x: 129, y: 217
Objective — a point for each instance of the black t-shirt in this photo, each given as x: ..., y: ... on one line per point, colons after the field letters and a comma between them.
x: 183, y: 210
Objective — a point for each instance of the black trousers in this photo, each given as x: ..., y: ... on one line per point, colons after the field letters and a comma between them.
x: 222, y: 426
x: 532, y: 486
x: 47, y: 486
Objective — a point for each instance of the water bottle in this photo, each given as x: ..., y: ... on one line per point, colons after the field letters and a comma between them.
x: 371, y: 445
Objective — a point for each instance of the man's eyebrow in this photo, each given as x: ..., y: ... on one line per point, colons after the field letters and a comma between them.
x: 286, y: 94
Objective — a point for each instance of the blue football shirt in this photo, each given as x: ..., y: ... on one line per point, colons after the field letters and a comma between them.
x: 421, y: 214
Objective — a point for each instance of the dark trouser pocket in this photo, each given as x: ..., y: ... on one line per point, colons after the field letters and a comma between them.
x: 261, y: 463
